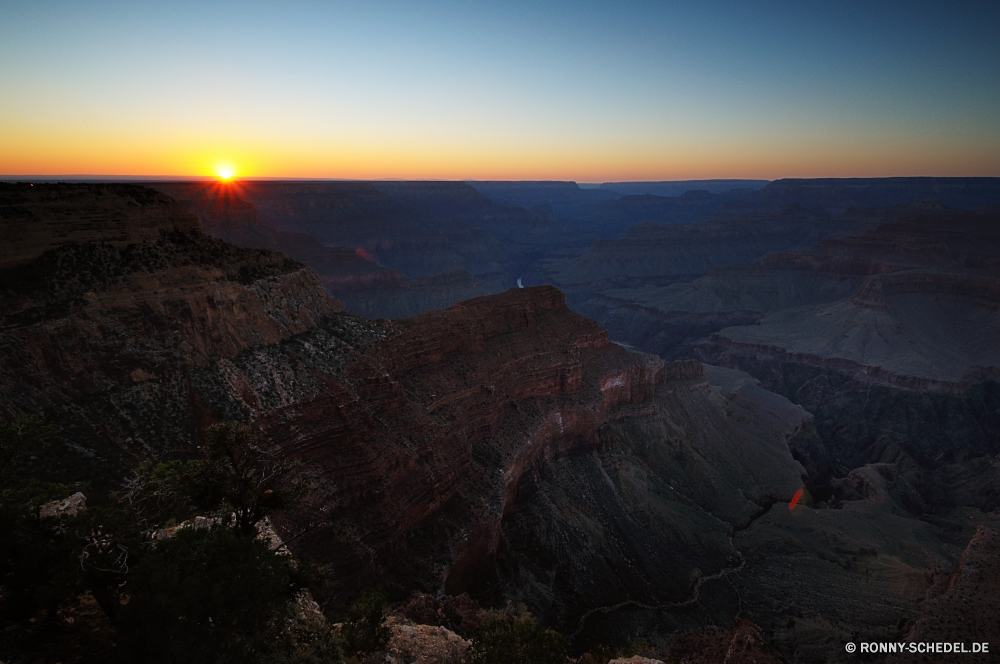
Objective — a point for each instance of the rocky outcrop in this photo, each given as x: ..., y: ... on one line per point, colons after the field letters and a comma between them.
x: 349, y: 273
x: 60, y: 344
x: 425, y: 644
x: 68, y: 506
x: 434, y: 445
x: 504, y: 447
x: 666, y: 315
x: 962, y: 608
x: 909, y: 347
x: 744, y: 643
x: 86, y: 321
x: 37, y: 217
x: 437, y: 451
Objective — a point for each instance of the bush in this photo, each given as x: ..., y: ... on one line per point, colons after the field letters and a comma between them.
x: 509, y: 637
x: 364, y: 627
x: 205, y: 596
x: 37, y: 570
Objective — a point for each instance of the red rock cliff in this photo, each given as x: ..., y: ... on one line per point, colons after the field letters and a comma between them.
x: 436, y: 427
x: 129, y: 289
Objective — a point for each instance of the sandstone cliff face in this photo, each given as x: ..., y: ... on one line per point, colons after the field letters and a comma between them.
x: 91, y: 320
x: 436, y: 444
x: 666, y: 314
x: 35, y: 218
x: 439, y: 452
x: 888, y: 336
x: 504, y: 446
x: 962, y: 607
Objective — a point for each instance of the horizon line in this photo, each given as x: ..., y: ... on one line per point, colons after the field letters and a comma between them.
x: 80, y: 177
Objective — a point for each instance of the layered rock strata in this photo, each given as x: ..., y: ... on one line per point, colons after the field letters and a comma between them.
x: 961, y: 607
x: 89, y: 319
x: 349, y: 273
x: 660, y: 254
x: 35, y: 218
x: 838, y: 194
x: 503, y: 447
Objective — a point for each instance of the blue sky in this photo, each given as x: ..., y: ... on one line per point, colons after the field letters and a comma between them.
x: 585, y: 91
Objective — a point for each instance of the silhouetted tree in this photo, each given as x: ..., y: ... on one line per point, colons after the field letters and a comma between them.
x: 243, y: 477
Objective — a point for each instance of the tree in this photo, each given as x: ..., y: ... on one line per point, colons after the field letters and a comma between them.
x: 364, y: 627
x: 243, y: 477
x: 206, y: 595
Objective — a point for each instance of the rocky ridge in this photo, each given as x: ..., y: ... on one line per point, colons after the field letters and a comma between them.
x: 426, y: 439
x: 961, y: 607
x: 505, y: 446
x: 665, y: 253
x: 35, y: 218
x: 350, y: 273
x: 89, y: 320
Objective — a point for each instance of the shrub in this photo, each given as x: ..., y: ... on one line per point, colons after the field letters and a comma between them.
x: 37, y: 570
x: 509, y: 637
x: 205, y: 596
x: 364, y: 627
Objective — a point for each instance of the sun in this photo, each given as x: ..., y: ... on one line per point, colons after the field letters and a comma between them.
x: 225, y: 172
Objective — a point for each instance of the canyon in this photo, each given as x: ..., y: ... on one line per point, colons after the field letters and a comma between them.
x: 494, y: 441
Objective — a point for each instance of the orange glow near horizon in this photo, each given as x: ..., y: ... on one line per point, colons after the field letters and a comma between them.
x: 37, y: 151
x: 538, y: 92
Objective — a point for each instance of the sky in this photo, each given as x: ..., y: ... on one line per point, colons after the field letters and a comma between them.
x: 592, y: 92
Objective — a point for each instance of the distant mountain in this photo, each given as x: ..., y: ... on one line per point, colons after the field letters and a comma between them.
x: 565, y: 198
x: 660, y: 253
x: 350, y: 274
x: 610, y: 219
x: 838, y: 194
x: 678, y: 187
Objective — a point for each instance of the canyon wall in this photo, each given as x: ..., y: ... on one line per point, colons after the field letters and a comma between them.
x: 506, y: 447
x: 351, y: 272
x: 36, y: 218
